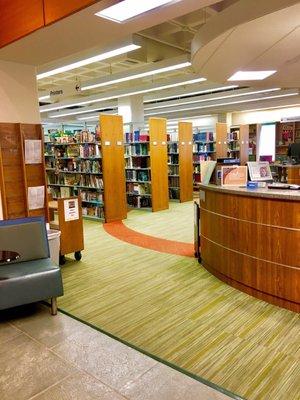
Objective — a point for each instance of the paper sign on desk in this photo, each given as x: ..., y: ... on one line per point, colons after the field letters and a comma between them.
x: 36, y: 197
x: 71, y: 209
x: 234, y: 176
x: 33, y: 151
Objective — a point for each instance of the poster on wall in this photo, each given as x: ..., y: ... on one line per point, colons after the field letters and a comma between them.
x: 71, y: 210
x: 33, y: 151
x: 36, y: 197
x: 260, y: 171
x: 234, y: 176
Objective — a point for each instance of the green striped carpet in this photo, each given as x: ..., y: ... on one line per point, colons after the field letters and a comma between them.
x: 171, y: 307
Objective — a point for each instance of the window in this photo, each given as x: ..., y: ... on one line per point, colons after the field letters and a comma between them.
x: 267, y: 140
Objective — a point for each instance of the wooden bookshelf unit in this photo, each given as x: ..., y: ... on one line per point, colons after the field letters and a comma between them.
x: 180, y: 164
x: 238, y: 143
x: 146, y: 166
x: 204, y: 149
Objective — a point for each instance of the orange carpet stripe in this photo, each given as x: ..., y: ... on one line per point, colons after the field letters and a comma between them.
x: 122, y: 232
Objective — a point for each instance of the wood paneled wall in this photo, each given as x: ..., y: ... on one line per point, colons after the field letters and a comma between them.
x: 19, y: 18
x: 185, y: 138
x: 15, y: 175
x: 252, y: 243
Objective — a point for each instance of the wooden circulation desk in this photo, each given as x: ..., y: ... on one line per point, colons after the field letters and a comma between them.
x: 250, y: 239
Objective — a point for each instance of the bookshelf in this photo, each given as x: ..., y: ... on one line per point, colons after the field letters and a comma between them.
x: 19, y: 176
x: 74, y: 168
x: 90, y: 165
x: 146, y: 166
x: 180, y: 163
x: 238, y: 143
x: 286, y: 133
x: 204, y: 149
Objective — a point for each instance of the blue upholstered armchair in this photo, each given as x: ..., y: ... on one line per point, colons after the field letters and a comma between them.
x: 33, y: 276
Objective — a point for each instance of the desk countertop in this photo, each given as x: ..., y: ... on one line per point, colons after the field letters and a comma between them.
x: 291, y: 195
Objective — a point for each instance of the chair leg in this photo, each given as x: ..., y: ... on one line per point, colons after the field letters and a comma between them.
x: 53, y: 306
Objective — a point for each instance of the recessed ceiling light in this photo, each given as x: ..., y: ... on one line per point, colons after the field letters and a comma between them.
x: 132, y: 93
x: 251, y: 75
x: 137, y: 76
x: 127, y: 9
x: 81, y: 63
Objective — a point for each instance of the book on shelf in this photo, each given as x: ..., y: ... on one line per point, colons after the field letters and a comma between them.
x: 173, y: 169
x: 174, y: 194
x: 136, y: 136
x: 173, y: 181
x: 139, y: 201
x: 65, y: 192
x: 203, y: 136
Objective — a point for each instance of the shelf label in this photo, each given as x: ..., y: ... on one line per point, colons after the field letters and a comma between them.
x: 163, y: 143
x: 154, y: 143
x: 119, y: 143
x: 190, y: 143
x: 107, y: 143
x: 183, y: 143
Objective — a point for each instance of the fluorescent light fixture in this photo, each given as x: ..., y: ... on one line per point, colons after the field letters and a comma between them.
x: 251, y: 75
x: 137, y: 76
x: 127, y: 9
x: 192, y: 93
x: 81, y: 63
x: 269, y: 108
x: 93, y: 117
x: 44, y: 97
x: 223, y: 104
x: 80, y: 112
x: 212, y: 99
x: 82, y: 103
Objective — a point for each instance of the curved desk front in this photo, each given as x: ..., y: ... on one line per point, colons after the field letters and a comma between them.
x: 250, y: 239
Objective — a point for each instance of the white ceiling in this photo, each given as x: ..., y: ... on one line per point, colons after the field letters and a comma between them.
x: 223, y: 43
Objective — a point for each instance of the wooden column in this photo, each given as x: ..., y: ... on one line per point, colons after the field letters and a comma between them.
x: 159, y: 163
x: 185, y: 138
x: 113, y: 164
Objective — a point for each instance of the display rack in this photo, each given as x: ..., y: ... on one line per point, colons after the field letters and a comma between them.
x: 180, y: 163
x: 19, y: 176
x: 286, y: 133
x: 204, y: 149
x: 146, y: 166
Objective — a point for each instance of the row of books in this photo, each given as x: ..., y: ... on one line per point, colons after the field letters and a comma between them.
x: 173, y: 181
x: 87, y: 195
x: 234, y: 135
x: 137, y: 162
x: 201, y: 157
x: 174, y: 194
x: 139, y: 201
x: 173, y: 158
x: 93, y: 211
x: 75, y: 151
x: 136, y: 136
x: 203, y: 148
x: 137, y: 149
x: 134, y: 175
x: 203, y: 136
x: 91, y: 181
x: 137, y: 189
x: 86, y: 166
x: 173, y: 148
x: 173, y: 169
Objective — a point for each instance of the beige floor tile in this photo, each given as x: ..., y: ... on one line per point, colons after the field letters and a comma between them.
x: 164, y: 383
x: 27, y: 368
x: 79, y: 387
x: 48, y: 329
x: 7, y: 332
x: 108, y: 360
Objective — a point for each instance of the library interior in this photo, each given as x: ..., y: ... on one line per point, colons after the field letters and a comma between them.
x: 149, y: 200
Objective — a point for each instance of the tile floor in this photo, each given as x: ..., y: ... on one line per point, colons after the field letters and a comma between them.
x: 58, y: 358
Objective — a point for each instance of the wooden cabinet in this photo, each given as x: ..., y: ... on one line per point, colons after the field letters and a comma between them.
x: 16, y: 176
x: 185, y: 138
